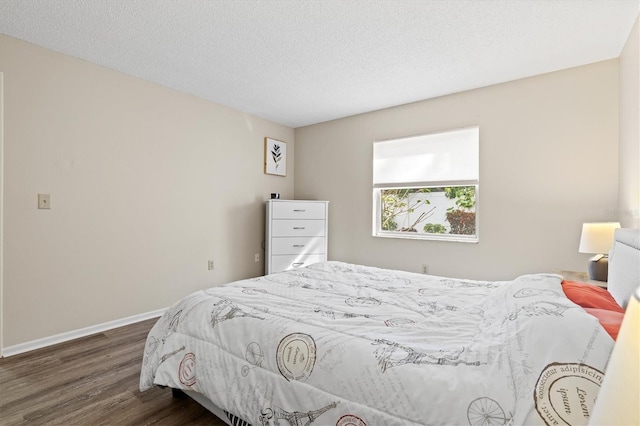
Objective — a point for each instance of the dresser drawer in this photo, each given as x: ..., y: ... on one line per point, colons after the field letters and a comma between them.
x: 298, y: 210
x: 295, y: 228
x: 298, y: 245
x: 286, y: 262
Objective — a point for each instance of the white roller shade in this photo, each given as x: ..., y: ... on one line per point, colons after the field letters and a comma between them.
x: 442, y: 157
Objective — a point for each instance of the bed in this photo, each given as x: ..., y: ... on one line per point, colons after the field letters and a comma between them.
x: 342, y: 344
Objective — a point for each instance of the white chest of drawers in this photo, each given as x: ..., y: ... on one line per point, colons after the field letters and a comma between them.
x: 296, y: 234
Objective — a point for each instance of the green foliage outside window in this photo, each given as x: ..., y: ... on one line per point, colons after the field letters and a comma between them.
x: 395, y: 202
x: 465, y: 196
x: 462, y: 218
x: 434, y: 228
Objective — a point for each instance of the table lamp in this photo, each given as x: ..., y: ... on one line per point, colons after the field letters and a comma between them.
x: 597, y: 238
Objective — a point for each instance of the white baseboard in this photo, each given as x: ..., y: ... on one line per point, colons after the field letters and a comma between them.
x: 75, y: 334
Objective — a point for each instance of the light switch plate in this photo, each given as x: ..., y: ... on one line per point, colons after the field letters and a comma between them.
x: 44, y: 201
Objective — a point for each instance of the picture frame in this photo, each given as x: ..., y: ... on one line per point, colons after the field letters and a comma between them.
x: 275, y: 157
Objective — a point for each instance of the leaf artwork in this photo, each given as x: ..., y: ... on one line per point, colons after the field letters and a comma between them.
x: 276, y: 155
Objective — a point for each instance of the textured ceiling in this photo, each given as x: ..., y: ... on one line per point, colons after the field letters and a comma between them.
x: 304, y: 62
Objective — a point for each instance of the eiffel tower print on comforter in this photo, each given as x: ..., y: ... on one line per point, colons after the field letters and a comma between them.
x: 341, y: 344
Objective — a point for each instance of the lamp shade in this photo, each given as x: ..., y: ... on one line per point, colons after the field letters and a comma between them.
x: 618, y: 401
x: 597, y: 238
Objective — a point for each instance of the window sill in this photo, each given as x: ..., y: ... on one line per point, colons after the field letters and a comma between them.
x: 432, y: 237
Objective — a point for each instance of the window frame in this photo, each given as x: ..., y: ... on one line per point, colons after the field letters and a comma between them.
x: 377, y: 202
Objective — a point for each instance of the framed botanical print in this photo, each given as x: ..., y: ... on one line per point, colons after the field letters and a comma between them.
x: 275, y: 157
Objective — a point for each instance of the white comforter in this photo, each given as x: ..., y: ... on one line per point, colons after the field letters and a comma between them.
x: 341, y: 344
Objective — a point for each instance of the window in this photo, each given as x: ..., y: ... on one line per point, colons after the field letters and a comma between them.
x: 427, y: 186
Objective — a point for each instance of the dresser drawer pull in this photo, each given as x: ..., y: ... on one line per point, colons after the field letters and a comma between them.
x: 299, y: 210
x: 297, y: 264
x: 298, y: 245
x: 299, y: 227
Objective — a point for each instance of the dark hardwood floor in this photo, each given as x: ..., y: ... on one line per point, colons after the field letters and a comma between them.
x: 91, y: 381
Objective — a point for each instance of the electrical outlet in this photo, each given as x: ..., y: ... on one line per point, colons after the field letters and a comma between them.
x: 210, y: 265
x: 425, y: 269
x: 256, y: 257
x: 44, y: 201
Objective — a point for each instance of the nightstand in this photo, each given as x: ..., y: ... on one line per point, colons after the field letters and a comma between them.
x: 582, y: 277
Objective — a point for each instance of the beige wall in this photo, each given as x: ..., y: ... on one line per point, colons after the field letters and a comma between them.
x: 548, y: 162
x: 629, y: 190
x: 146, y: 185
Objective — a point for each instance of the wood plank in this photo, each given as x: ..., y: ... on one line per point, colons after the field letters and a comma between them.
x: 91, y: 380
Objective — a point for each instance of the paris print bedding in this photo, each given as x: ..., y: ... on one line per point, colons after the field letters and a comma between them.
x: 341, y: 344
